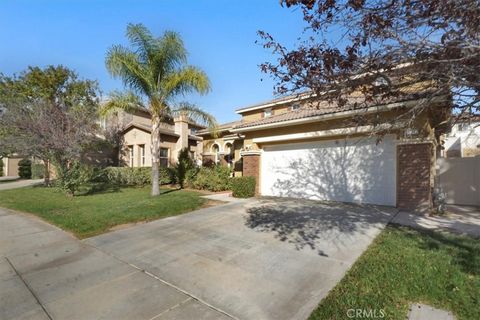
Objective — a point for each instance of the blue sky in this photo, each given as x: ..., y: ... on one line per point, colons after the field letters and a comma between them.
x: 219, y: 35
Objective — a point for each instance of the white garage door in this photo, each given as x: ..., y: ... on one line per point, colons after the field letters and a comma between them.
x: 351, y: 170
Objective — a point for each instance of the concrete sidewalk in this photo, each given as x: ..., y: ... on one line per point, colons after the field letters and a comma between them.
x: 47, y: 274
x: 19, y: 184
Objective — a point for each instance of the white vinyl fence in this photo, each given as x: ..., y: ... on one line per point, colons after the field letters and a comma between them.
x: 460, y: 180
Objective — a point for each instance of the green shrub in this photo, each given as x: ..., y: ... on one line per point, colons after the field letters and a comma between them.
x: 1, y: 167
x: 243, y: 187
x: 216, y: 178
x: 25, y: 169
x: 183, y: 166
x: 38, y: 170
x: 76, y: 175
x: 141, y: 176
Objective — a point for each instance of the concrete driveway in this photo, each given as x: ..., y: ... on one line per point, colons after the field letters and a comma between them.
x: 258, y: 259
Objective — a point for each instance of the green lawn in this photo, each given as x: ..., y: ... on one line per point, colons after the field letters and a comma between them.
x: 89, y: 215
x: 404, y: 266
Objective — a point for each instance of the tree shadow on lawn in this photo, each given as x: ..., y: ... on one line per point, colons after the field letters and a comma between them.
x: 465, y: 250
x: 97, y: 188
x: 105, y: 188
x: 314, y: 224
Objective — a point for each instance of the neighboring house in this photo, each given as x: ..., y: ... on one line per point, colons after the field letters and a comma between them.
x: 223, y: 146
x: 10, y: 166
x: 135, y: 131
x: 299, y: 147
x: 463, y: 140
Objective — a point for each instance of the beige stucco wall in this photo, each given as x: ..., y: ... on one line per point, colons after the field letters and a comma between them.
x: 460, y: 180
x: 136, y: 137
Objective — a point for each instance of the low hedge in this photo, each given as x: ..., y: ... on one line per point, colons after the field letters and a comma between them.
x: 140, y: 176
x: 216, y: 178
x: 243, y: 187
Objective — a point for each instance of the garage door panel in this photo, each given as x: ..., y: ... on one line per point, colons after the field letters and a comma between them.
x: 352, y: 170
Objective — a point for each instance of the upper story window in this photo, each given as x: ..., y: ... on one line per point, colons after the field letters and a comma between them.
x: 267, y: 112
x: 294, y: 107
x: 381, y: 81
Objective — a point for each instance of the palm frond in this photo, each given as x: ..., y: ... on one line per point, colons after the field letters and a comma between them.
x: 125, y: 101
x: 123, y: 63
x: 170, y: 55
x: 186, y: 80
x: 142, y: 40
x: 194, y: 113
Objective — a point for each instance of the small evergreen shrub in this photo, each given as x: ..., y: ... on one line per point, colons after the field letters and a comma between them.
x: 38, y: 170
x: 183, y: 166
x: 216, y: 178
x: 76, y: 175
x: 25, y: 169
x: 243, y: 187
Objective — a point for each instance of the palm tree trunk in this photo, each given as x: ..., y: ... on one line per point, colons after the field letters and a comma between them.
x: 155, y: 149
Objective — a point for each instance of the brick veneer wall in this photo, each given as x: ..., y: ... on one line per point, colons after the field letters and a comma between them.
x: 414, y: 176
x: 251, y: 168
x: 208, y: 160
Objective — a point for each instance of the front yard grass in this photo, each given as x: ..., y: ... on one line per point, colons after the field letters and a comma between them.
x: 96, y: 213
x: 403, y: 266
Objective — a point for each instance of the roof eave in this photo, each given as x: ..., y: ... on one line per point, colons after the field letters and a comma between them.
x: 329, y: 116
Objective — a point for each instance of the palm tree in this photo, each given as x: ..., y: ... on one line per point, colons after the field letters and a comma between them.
x: 156, y: 73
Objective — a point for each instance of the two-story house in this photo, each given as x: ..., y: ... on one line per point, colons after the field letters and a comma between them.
x: 463, y: 140
x: 135, y: 136
x: 298, y: 146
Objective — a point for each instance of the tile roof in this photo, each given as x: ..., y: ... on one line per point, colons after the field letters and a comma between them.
x: 221, y: 127
x: 149, y: 129
x: 322, y: 108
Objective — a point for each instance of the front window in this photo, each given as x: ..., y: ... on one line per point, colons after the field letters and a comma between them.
x: 130, y: 156
x: 142, y: 154
x: 164, y: 157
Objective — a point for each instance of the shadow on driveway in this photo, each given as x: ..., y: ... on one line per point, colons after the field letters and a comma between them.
x: 307, y: 223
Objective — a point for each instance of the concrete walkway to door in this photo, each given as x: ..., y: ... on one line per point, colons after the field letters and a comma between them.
x: 254, y: 259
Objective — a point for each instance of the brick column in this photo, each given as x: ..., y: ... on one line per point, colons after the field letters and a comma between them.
x: 251, y: 167
x: 414, y: 173
x: 208, y: 160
